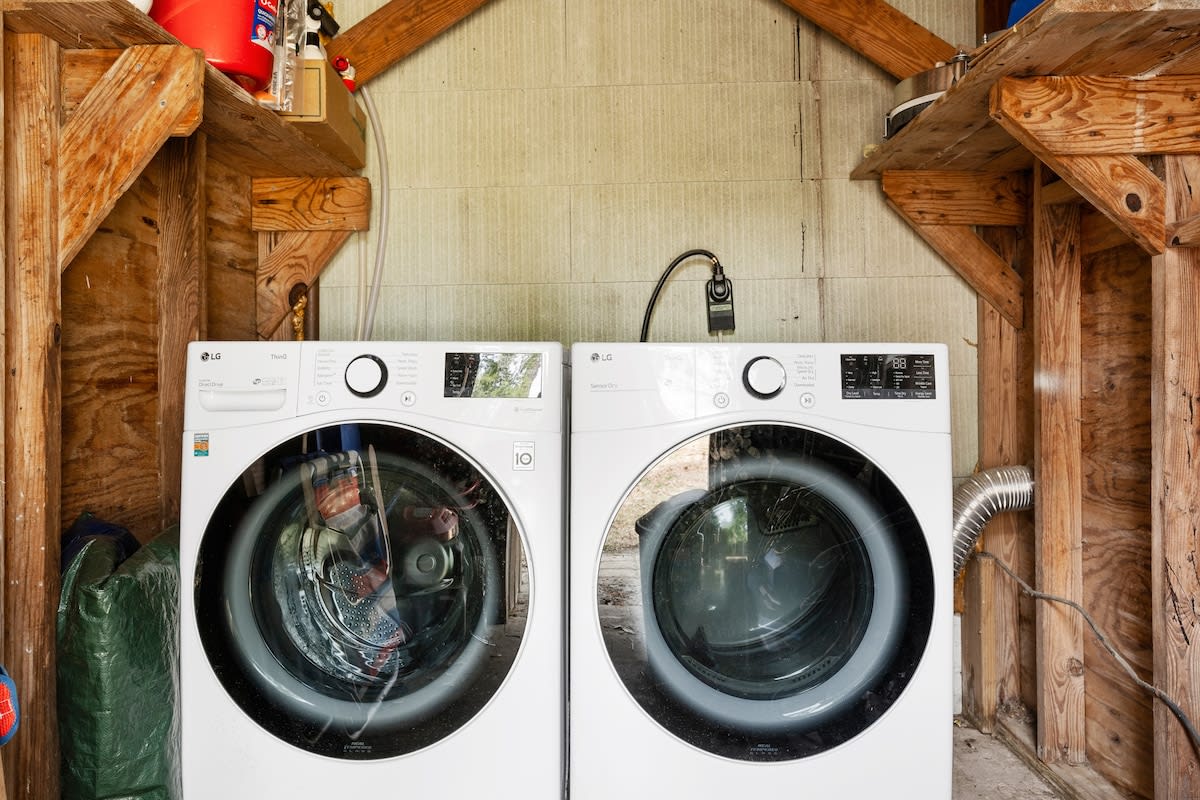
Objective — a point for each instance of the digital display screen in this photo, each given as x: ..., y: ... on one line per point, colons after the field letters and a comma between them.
x: 503, y: 375
x: 876, y: 376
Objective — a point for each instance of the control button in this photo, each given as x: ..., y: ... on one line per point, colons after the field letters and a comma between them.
x: 322, y: 398
x: 808, y: 400
x: 366, y: 376
x: 408, y: 398
x: 764, y: 377
x: 721, y: 400
x: 523, y: 456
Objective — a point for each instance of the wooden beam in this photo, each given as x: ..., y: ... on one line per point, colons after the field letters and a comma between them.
x: 32, y: 404
x: 82, y: 70
x: 118, y: 128
x: 1119, y: 186
x: 880, y: 32
x: 3, y: 360
x: 992, y: 278
x: 1058, y: 471
x: 310, y: 204
x: 1184, y: 232
x: 296, y: 259
x: 394, y: 31
x: 1099, y: 116
x: 182, y: 299
x: 991, y: 614
x: 1175, y: 489
x: 938, y: 197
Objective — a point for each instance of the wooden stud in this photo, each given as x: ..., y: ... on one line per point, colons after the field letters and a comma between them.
x: 32, y: 404
x: 181, y: 299
x: 1175, y: 490
x: 118, y: 128
x: 1057, y: 271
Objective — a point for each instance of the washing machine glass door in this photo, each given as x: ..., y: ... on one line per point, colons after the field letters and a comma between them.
x: 355, y: 591
x: 776, y: 587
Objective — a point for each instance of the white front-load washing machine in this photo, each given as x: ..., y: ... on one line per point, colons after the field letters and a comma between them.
x: 760, y: 571
x: 371, y: 553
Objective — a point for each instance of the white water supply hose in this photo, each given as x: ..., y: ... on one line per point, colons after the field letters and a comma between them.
x: 366, y: 322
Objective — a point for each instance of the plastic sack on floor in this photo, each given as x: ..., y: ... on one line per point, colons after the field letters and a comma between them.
x: 118, y: 671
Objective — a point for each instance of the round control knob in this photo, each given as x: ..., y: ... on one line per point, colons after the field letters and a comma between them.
x: 366, y: 376
x: 764, y: 377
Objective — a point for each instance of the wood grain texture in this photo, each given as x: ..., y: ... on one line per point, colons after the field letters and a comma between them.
x: 395, y: 30
x: 32, y: 401
x: 231, y: 255
x: 1184, y: 232
x: 940, y: 197
x: 110, y: 430
x: 311, y: 204
x: 1057, y: 270
x: 296, y: 258
x: 1175, y: 386
x: 82, y: 70
x: 892, y: 41
x: 118, y: 128
x: 1116, y: 314
x: 1092, y: 115
x: 1120, y: 186
x: 182, y: 300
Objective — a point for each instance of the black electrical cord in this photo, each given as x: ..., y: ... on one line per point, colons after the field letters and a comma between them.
x: 1179, y: 713
x: 679, y: 259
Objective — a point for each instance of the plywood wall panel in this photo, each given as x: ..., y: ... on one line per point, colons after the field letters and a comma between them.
x: 232, y: 256
x: 1116, y: 442
x: 110, y: 422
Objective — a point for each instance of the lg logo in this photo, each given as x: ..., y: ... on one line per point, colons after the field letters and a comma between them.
x: 207, y: 356
x: 602, y: 357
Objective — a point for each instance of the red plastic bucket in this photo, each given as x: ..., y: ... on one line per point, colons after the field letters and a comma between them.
x: 237, y: 36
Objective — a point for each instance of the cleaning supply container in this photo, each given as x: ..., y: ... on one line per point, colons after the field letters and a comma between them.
x: 237, y: 36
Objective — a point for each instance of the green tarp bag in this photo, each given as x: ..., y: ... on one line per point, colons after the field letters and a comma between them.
x: 118, y: 672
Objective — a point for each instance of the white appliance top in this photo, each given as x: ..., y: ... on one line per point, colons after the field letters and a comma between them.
x: 499, y: 385
x: 622, y: 386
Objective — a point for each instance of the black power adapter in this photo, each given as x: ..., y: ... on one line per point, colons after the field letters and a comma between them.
x: 719, y: 292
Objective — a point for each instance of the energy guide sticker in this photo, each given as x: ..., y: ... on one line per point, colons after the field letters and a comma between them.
x: 200, y: 444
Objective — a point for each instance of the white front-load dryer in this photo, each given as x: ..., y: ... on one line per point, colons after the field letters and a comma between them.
x: 371, y: 552
x: 760, y: 571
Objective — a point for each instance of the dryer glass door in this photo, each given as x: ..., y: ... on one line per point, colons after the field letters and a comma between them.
x: 361, y: 591
x: 777, y: 588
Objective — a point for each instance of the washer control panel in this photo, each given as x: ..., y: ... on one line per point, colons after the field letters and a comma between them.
x: 890, y: 376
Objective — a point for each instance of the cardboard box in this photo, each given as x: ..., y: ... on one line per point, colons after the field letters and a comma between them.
x: 327, y: 113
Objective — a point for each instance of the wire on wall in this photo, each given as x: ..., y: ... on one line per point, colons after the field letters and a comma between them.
x: 719, y: 293
x: 1166, y: 699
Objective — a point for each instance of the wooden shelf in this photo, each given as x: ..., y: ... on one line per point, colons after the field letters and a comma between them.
x: 241, y: 133
x: 1129, y: 38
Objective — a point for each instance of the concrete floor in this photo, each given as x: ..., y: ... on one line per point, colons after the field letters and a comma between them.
x: 986, y: 769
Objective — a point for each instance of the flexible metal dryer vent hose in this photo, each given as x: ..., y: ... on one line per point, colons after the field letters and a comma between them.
x: 982, y: 496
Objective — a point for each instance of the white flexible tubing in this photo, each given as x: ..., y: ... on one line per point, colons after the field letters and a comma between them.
x: 384, y: 214
x: 361, y: 281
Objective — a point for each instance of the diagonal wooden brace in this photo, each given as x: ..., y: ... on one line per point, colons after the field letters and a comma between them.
x: 1117, y: 184
x: 117, y: 128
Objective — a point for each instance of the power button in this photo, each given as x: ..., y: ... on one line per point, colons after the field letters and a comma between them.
x: 523, y: 459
